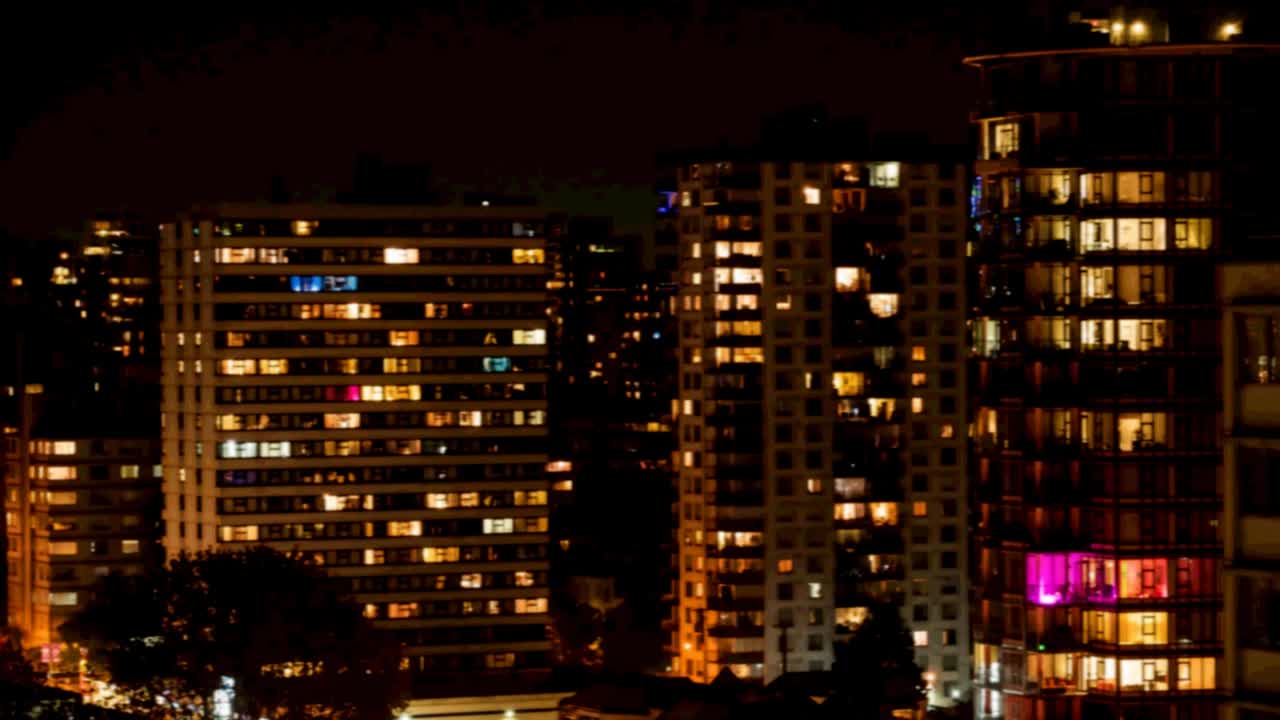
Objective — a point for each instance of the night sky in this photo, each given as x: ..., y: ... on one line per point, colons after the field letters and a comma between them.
x: 205, y: 102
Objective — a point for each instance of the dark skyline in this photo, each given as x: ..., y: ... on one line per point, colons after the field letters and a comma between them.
x: 155, y: 113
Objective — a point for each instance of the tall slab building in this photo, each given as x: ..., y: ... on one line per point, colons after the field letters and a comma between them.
x: 366, y: 385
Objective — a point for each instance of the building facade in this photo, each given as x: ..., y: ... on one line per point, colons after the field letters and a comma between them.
x: 820, y: 406
x: 76, y: 509
x: 1251, y: 517
x: 1113, y: 174
x: 366, y: 385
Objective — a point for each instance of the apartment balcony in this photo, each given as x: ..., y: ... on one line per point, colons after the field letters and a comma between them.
x: 1259, y: 672
x: 748, y: 577
x: 1259, y: 537
x: 1259, y: 407
x: 735, y: 604
x: 736, y: 631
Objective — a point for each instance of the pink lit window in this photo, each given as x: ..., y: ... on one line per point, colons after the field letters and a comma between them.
x: 353, y: 393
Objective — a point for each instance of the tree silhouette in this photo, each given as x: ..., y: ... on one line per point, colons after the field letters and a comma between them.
x: 272, y: 625
x: 876, y: 669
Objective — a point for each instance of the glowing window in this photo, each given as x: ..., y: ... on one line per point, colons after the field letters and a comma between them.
x: 815, y: 591
x: 496, y: 364
x: 812, y: 195
x: 529, y: 337
x: 63, y: 547
x: 920, y: 638
x: 62, y: 598
x: 401, y: 338
x: 919, y: 379
x: 1144, y: 578
x: 498, y: 526
x: 917, y: 405
x: 883, y: 513
x: 341, y: 421
x: 783, y: 302
x: 747, y: 276
x: 1004, y: 139
x: 60, y: 472
x: 404, y: 528
x: 1144, y: 628
x: 441, y: 554
x: 947, y: 431
x: 471, y: 581
x: 130, y: 547
x: 529, y: 606
x: 64, y: 447
x: 528, y: 256
x: 850, y: 511
x: 883, y: 304
x: 400, y: 256
x: 786, y: 565
x: 884, y: 174
x: 849, y: 279
x: 273, y: 366
x: 919, y: 353
x: 1196, y: 673
x: 919, y: 508
x: 848, y: 384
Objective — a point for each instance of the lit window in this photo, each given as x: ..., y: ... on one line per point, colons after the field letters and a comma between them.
x: 238, y: 533
x: 471, y: 581
x: 815, y: 591
x: 1004, y: 139
x: 883, y: 304
x: 786, y: 565
x: 273, y: 366
x: 64, y: 547
x: 530, y: 606
x: 920, y: 638
x: 947, y: 431
x: 130, y: 547
x: 528, y: 256
x: 304, y: 227
x: 341, y: 421
x: 401, y: 338
x: 529, y: 337
x: 63, y: 472
x: 813, y: 485
x: 884, y: 174
x: 62, y: 598
x: 849, y: 279
x: 812, y: 195
x: 404, y: 528
x: 400, y: 256
x: 440, y: 554
x: 498, y: 526
x: 374, y: 556
x: 919, y: 508
x: 524, y: 578
x: 783, y: 302
x: 63, y: 497
x: 919, y: 353
x: 64, y: 447
x: 919, y: 379
x: 401, y: 610
x: 129, y: 472
x: 884, y: 513
x: 848, y: 384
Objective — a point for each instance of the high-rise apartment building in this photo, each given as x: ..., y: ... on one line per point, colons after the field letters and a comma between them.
x: 1116, y: 167
x: 366, y: 385
x: 1251, y: 459
x: 820, y: 406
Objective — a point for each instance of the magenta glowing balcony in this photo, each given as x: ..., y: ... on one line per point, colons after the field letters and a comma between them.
x: 1064, y: 577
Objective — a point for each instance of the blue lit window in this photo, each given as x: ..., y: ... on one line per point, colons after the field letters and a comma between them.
x: 497, y: 364
x: 323, y: 283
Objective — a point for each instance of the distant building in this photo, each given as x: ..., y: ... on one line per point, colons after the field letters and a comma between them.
x: 77, y: 509
x: 367, y: 385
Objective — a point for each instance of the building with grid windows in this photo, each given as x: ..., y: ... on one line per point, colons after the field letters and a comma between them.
x: 367, y: 385
x: 1118, y: 166
x: 821, y: 449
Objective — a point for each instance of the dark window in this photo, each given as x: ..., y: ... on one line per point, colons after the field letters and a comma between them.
x: 782, y: 196
x: 918, y: 198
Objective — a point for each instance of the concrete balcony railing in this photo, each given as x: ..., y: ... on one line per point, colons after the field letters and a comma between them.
x: 1260, y: 671
x: 1259, y: 537
x: 1259, y: 406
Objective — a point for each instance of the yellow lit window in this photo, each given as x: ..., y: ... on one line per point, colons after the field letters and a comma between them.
x: 812, y: 195
x: 884, y: 513
x: 60, y: 472
x: 695, y: 250
x: 469, y: 499
x: 400, y: 256
x: 523, y: 578
x: 304, y: 227
x: 440, y: 554
x: 440, y: 418
x: 1004, y: 139
x: 850, y: 511
x: 529, y: 606
x: 404, y: 528
x: 783, y: 302
x: 442, y: 501
x: 1196, y: 673
x: 849, y: 279
x: 723, y: 222
x: 919, y: 379
x: 786, y: 565
x: 1144, y: 628
x: 723, y: 248
x: 400, y: 366
x: 273, y: 366
x: 238, y: 533
x: 401, y: 338
x: 881, y: 408
x: 746, y: 302
x: 919, y: 508
x: 919, y: 353
x: 747, y: 355
x: 341, y: 421
x: 813, y: 485
x: 947, y: 431
x: 753, y: 249
x: 920, y: 638
x: 471, y: 581
x: 401, y: 610
x: 63, y: 547
x: 498, y: 526
x: 64, y: 447
x: 528, y: 256
x: 883, y: 304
